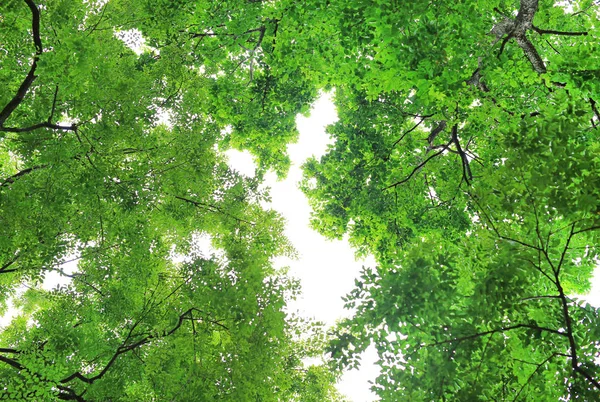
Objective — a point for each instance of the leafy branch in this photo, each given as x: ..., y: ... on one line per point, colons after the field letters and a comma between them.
x: 553, y: 32
x: 212, y: 208
x: 11, y: 179
x: 537, y: 368
x: 517, y: 29
x: 564, y: 300
x: 419, y: 167
x: 5, y: 267
x: 81, y: 278
x: 127, y: 346
x: 26, y: 84
x: 28, y: 81
x: 408, y: 132
x: 495, y: 331
x: 466, y: 169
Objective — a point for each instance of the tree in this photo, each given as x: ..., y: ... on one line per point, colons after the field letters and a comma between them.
x: 465, y: 160
x: 91, y: 172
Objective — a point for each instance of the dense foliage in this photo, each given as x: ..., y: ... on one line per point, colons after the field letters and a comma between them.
x: 466, y: 159
x: 111, y: 148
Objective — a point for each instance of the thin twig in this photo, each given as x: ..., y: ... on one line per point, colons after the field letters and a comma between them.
x: 497, y: 330
x: 415, y: 170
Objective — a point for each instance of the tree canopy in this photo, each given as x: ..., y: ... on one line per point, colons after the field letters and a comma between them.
x: 114, y: 118
x: 466, y: 159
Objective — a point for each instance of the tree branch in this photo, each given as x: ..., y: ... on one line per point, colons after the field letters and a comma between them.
x: 467, y: 175
x: 11, y: 179
x: 594, y: 108
x: 28, y: 81
x: 212, y: 208
x: 80, y: 277
x: 569, y: 324
x: 540, y: 297
x: 538, y: 366
x: 539, y: 268
x: 591, y: 228
x: 125, y: 347
x: 408, y: 132
x: 45, y: 124
x: 517, y: 29
x: 565, y: 249
x: 552, y: 32
x: 53, y: 106
x: 35, y: 26
x: 489, y: 220
x: 435, y: 132
x: 20, y: 95
x: 415, y: 170
x: 26, y: 84
x: 531, y: 53
x: 588, y: 377
x: 494, y: 331
x: 4, y: 269
x: 12, y: 362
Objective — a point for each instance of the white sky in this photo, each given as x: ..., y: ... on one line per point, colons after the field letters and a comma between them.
x: 326, y: 268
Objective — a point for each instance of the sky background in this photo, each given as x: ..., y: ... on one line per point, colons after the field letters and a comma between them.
x: 326, y: 268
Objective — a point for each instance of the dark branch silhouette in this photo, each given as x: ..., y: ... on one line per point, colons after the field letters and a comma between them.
x: 26, y: 84
x: 495, y: 331
x: 5, y: 268
x: 415, y: 170
x: 11, y: 179
x: 467, y: 175
x: 408, y: 132
x: 212, y: 208
x: 553, y: 32
x: 45, y: 124
x: 126, y: 346
x: 538, y: 366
